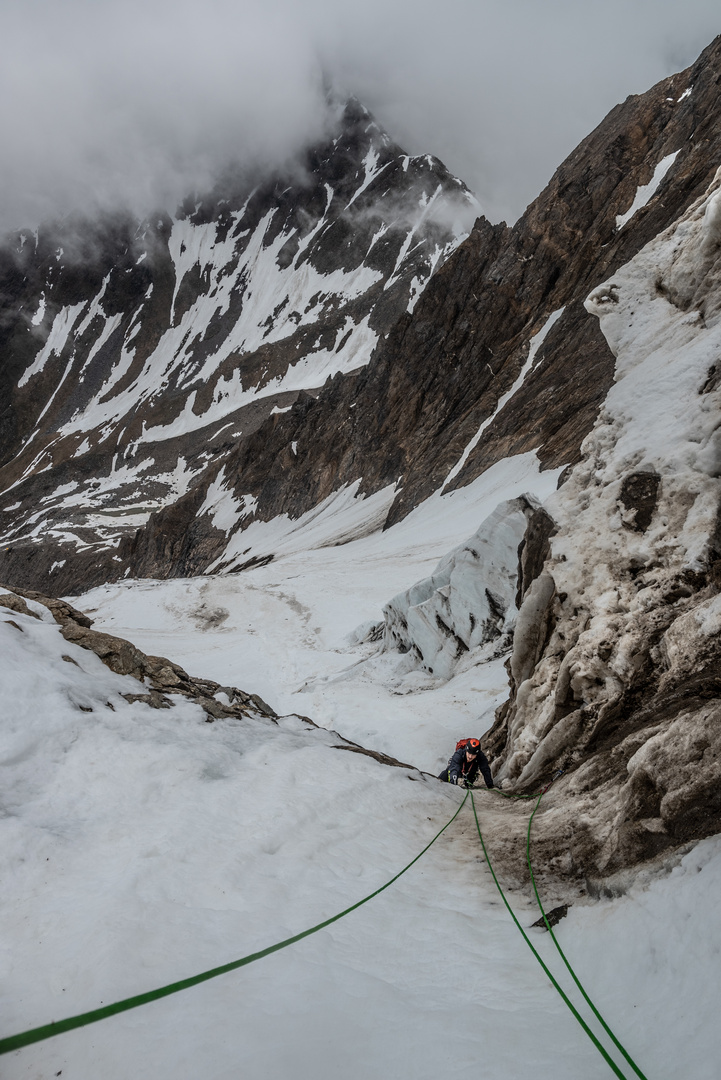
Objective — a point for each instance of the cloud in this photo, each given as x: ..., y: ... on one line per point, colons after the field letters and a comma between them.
x: 140, y: 103
x: 136, y: 104
x: 503, y: 91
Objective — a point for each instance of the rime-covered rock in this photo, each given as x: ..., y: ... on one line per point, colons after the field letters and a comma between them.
x: 625, y: 691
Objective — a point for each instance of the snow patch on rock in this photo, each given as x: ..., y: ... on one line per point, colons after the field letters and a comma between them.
x: 645, y: 192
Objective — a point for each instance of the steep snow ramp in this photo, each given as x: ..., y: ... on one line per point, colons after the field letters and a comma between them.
x: 144, y: 845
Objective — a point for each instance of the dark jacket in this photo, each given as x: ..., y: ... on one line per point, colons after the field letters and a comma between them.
x: 459, y: 765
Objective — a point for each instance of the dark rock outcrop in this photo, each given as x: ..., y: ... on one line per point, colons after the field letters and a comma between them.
x: 162, y: 677
x: 639, y: 496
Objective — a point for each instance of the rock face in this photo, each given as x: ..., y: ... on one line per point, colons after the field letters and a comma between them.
x: 616, y: 662
x: 135, y: 355
x: 499, y: 356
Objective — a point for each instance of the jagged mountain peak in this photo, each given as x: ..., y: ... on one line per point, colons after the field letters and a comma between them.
x: 137, y: 353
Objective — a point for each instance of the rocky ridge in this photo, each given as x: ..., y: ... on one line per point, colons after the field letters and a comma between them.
x: 160, y: 675
x: 162, y: 679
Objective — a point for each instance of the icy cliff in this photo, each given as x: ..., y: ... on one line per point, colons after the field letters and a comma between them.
x: 468, y: 604
x: 624, y: 693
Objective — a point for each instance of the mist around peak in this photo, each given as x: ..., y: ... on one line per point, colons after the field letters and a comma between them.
x: 131, y: 106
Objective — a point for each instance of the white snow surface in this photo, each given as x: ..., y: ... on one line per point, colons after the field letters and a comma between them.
x: 645, y: 192
x: 221, y: 504
x: 141, y: 846
x: 56, y: 340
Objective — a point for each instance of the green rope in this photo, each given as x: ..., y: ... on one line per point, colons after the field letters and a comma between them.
x: 597, y: 1014
x: 609, y: 1060
x: 47, y: 1031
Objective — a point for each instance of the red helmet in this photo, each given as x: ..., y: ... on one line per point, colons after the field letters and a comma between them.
x: 473, y: 746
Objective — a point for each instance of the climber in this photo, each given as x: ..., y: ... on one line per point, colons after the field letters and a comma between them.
x: 464, y: 765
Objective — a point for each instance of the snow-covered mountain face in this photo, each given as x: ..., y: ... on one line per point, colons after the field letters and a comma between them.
x: 499, y: 356
x: 578, y: 348
x: 504, y: 519
x: 135, y: 355
x: 178, y: 382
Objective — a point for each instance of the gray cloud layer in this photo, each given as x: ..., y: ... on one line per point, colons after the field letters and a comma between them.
x: 107, y: 102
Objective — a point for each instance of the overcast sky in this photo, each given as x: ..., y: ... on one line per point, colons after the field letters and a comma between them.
x: 138, y: 102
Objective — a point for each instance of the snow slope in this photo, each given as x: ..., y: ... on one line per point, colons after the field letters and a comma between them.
x: 143, y: 845
x: 292, y: 631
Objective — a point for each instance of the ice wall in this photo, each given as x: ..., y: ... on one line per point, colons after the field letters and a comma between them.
x: 469, y: 602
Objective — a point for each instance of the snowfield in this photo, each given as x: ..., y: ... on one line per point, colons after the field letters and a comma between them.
x: 290, y: 631
x: 142, y: 846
